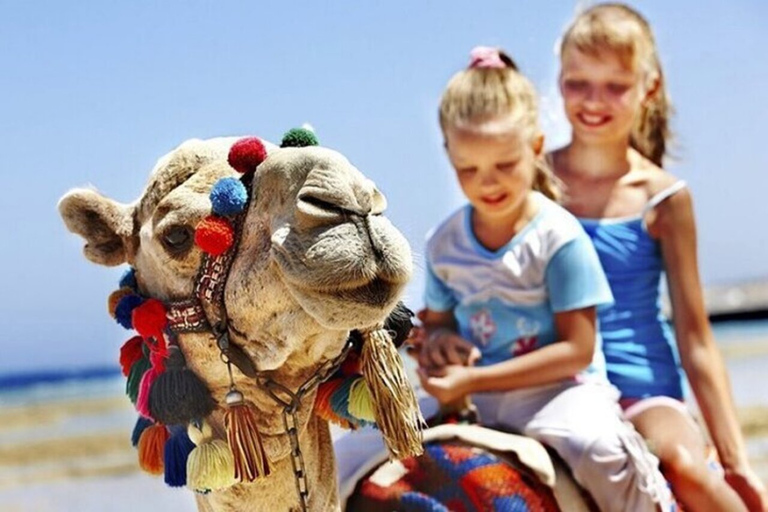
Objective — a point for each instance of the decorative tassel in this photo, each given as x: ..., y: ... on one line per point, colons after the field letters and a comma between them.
x: 130, y: 352
x: 210, y: 466
x: 178, y: 395
x: 138, y: 369
x: 145, y: 388
x: 151, y: 448
x: 323, y: 403
x: 175, y: 456
x: 394, y: 402
x: 157, y: 357
x: 340, y: 402
x: 360, y: 401
x: 142, y: 424
x: 244, y: 440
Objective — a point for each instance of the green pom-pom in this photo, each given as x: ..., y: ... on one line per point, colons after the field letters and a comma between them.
x: 299, y: 138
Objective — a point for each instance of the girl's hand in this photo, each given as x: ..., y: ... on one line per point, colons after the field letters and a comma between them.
x: 443, y: 347
x: 417, y: 337
x: 447, y: 384
x: 749, y: 487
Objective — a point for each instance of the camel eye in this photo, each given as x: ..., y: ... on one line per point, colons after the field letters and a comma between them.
x: 177, y: 239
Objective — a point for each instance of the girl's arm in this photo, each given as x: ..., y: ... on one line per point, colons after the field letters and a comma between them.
x: 570, y: 355
x: 546, y: 365
x: 700, y: 357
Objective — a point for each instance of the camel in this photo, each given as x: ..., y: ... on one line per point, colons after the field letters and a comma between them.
x: 313, y: 259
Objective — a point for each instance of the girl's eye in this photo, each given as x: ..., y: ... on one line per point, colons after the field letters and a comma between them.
x: 617, y: 88
x: 177, y: 239
x: 576, y: 85
x: 467, y: 171
x: 506, y: 166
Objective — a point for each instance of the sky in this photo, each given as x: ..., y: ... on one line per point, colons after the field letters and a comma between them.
x: 93, y: 93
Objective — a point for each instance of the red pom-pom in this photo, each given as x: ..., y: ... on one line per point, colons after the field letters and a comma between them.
x: 246, y: 154
x: 130, y: 352
x: 149, y: 319
x: 214, y: 235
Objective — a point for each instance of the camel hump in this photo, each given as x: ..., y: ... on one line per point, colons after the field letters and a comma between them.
x: 460, y: 456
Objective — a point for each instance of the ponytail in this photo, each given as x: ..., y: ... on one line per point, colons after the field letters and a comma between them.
x: 651, y: 135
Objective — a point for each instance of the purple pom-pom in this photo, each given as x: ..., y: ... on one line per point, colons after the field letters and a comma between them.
x: 228, y: 196
x: 125, y: 308
x: 129, y: 279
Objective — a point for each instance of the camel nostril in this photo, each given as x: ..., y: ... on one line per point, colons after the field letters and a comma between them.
x: 321, y: 204
x: 320, y: 208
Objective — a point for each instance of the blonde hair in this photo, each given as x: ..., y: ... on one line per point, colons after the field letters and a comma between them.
x: 479, y: 94
x: 620, y: 29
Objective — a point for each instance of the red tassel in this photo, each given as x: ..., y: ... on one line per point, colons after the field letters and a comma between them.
x: 142, y: 401
x: 151, y: 449
x: 130, y: 352
x: 244, y: 440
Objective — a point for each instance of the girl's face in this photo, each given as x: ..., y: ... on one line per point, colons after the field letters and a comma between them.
x: 495, y: 167
x: 602, y: 96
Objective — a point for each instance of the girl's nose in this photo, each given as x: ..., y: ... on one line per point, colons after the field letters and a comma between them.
x: 593, y: 94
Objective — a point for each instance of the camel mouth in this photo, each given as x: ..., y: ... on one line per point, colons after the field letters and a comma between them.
x: 377, y: 292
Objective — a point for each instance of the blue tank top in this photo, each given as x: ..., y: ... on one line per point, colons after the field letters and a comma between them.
x: 639, y: 344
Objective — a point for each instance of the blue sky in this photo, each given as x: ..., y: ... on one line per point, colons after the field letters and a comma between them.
x: 95, y: 92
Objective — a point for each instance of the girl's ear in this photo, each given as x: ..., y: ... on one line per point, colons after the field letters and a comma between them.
x: 538, y: 144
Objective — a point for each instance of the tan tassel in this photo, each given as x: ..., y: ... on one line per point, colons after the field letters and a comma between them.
x: 394, y: 402
x: 151, y: 448
x: 244, y: 440
x: 210, y: 465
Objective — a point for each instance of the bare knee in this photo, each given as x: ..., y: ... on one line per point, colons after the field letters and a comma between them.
x: 683, y: 469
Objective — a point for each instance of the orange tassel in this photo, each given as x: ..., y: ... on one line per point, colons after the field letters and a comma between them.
x: 244, y: 440
x: 151, y: 449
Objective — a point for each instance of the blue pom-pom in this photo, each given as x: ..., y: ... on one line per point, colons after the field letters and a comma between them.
x: 129, y: 279
x: 125, y: 308
x: 142, y: 424
x: 175, y: 455
x: 228, y: 196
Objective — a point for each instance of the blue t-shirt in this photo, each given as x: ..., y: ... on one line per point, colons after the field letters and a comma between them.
x: 504, y: 301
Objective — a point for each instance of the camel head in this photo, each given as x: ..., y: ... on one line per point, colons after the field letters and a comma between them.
x: 301, y: 255
x: 316, y: 257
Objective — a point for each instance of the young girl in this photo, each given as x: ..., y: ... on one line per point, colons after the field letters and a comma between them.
x: 514, y: 275
x: 641, y: 222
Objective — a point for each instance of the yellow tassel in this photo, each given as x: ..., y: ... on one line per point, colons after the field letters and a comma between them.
x: 394, y: 402
x: 244, y: 440
x: 210, y: 465
x: 360, y: 401
x: 151, y: 448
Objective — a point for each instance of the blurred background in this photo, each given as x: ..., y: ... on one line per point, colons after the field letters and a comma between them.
x: 94, y: 93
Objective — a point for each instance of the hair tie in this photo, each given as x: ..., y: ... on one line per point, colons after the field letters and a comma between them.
x: 486, y: 57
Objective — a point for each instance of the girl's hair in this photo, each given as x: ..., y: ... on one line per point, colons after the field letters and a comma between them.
x: 489, y: 88
x: 619, y: 28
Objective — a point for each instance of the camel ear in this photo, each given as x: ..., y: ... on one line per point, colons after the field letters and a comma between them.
x: 106, y: 225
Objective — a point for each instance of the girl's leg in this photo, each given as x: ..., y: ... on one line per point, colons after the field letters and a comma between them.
x: 583, y: 423
x: 678, y: 442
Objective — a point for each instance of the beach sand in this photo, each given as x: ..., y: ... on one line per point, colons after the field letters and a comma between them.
x: 75, y: 454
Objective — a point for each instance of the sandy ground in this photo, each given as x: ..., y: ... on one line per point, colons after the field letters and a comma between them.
x: 75, y: 455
